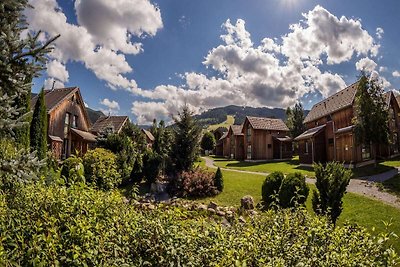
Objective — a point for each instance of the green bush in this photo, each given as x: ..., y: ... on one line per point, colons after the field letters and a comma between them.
x: 151, y: 166
x: 294, y: 190
x: 331, y: 182
x: 137, y: 174
x: 101, y: 168
x: 73, y: 171
x: 270, y: 188
x: 77, y: 226
x: 219, y: 180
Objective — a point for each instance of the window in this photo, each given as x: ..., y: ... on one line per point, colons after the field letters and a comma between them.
x: 365, y: 152
x: 75, y: 122
x: 248, y: 134
x: 328, y: 118
x: 66, y: 123
x: 269, y: 145
x: 249, y: 152
x: 306, y: 147
x: 330, y: 141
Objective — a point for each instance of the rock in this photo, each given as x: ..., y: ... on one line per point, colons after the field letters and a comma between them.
x: 225, y: 223
x: 229, y: 213
x: 202, y: 207
x: 213, y: 205
x: 242, y: 220
x: 151, y: 207
x: 210, y: 210
x: 221, y: 213
x: 247, y: 203
x: 252, y: 212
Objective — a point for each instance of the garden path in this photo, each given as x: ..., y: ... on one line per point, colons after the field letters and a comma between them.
x: 365, y: 186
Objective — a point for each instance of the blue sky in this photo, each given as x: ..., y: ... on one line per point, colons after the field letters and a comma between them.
x: 182, y: 57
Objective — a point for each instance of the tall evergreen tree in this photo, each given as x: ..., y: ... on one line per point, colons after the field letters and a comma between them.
x: 38, y: 130
x: 187, y: 136
x: 295, y: 118
x: 22, y: 59
x: 371, y: 114
x: 162, y: 143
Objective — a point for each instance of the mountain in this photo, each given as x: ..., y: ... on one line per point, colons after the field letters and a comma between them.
x: 219, y: 115
x: 94, y: 115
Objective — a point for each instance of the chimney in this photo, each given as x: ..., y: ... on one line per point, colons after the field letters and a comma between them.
x: 52, y: 87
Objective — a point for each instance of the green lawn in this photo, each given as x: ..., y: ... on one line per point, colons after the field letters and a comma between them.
x: 392, y: 185
x: 357, y: 209
x: 229, y: 121
x: 290, y: 166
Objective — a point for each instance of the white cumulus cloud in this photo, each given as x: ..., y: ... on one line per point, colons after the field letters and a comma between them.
x: 396, y: 73
x: 366, y: 64
x: 113, y: 105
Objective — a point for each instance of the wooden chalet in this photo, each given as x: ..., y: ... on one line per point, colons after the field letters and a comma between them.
x: 236, y: 142
x: 224, y: 141
x: 68, y: 122
x: 218, y: 133
x: 266, y: 139
x: 110, y: 124
x: 329, y: 135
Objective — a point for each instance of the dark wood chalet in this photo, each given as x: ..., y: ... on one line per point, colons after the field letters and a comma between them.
x: 329, y: 135
x: 109, y: 124
x: 235, y: 142
x: 68, y: 122
x: 266, y: 139
x: 218, y: 133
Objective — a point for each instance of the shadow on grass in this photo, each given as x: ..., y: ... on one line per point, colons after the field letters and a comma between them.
x: 392, y: 185
x: 371, y: 170
x: 126, y: 190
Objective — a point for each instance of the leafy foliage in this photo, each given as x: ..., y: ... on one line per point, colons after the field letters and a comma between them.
x: 186, y: 146
x: 73, y: 171
x: 293, y: 190
x: 208, y: 141
x: 137, y: 174
x: 38, y: 130
x: 294, y: 120
x: 371, y: 113
x: 219, y: 180
x: 152, y: 163
x: 162, y: 146
x: 270, y: 188
x: 197, y: 183
x: 101, y: 168
x: 77, y: 226
x: 331, y: 182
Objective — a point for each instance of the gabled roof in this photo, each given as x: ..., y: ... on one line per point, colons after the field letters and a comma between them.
x: 53, y: 98
x: 283, y: 139
x: 236, y: 129
x: 259, y: 123
x: 148, y: 134
x: 340, y: 100
x: 85, y: 135
x: 310, y: 133
x: 116, y: 122
x: 225, y: 135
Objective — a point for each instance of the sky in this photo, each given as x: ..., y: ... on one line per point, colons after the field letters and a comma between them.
x: 146, y: 59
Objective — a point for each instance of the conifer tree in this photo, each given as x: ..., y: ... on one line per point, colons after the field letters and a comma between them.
x: 295, y: 118
x: 186, y: 135
x: 22, y: 59
x: 219, y: 180
x: 38, y: 130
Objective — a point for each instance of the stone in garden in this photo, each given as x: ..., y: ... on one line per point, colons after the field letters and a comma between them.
x: 202, y: 207
x: 242, y: 220
x: 247, y: 203
x: 221, y: 213
x: 211, y: 210
x: 151, y: 207
x: 225, y: 222
x: 213, y: 205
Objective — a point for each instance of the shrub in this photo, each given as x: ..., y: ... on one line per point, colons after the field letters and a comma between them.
x: 75, y: 226
x: 331, y: 182
x: 137, y: 174
x: 72, y: 170
x: 207, y: 141
x: 270, y: 188
x: 197, y: 183
x: 101, y: 168
x: 219, y: 180
x: 294, y: 190
x: 151, y: 166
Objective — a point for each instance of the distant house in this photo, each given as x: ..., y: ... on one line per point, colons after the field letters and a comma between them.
x: 68, y: 122
x: 218, y: 133
x: 330, y: 131
x: 113, y: 124
x: 236, y: 142
x: 266, y: 139
x: 149, y: 138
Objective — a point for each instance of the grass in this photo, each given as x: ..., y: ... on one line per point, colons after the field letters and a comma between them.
x: 229, y: 121
x: 288, y: 166
x: 392, y: 185
x: 293, y: 165
x: 364, y: 211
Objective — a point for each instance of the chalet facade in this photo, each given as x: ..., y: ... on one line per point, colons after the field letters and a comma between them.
x: 266, y: 139
x: 68, y: 122
x: 330, y: 131
x: 109, y: 124
x: 218, y: 133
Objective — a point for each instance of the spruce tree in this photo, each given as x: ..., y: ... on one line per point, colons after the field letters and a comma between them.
x: 294, y: 120
x: 208, y: 141
x: 186, y: 135
x: 219, y: 180
x: 38, y: 130
x: 22, y: 59
x: 371, y: 114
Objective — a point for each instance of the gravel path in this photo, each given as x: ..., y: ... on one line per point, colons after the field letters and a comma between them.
x: 365, y: 186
